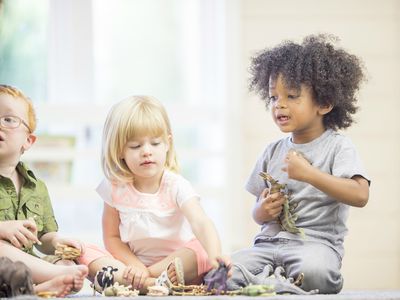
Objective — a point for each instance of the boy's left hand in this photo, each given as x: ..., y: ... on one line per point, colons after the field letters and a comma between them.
x: 69, y: 242
x: 297, y: 167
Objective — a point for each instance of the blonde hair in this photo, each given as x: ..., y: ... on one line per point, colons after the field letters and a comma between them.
x: 17, y: 94
x: 136, y: 116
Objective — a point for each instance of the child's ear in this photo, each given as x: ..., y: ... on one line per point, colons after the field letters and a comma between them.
x: 324, y: 109
x: 30, y: 140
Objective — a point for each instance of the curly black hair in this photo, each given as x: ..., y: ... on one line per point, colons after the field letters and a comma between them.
x: 333, y: 74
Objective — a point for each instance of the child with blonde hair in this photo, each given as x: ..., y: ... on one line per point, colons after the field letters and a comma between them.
x: 152, y: 221
x: 26, y: 214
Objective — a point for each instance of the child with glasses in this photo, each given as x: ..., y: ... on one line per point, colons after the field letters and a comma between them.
x: 26, y: 214
x: 311, y: 88
x: 153, y: 222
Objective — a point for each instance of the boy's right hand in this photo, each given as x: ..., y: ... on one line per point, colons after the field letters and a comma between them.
x: 20, y: 233
x: 270, y: 205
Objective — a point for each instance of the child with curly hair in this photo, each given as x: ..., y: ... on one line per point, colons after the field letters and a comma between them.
x: 311, y: 89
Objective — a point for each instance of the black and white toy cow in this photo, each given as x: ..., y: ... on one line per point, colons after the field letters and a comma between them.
x: 104, y: 279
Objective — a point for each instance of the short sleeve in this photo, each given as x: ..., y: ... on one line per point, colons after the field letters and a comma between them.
x: 48, y: 218
x: 104, y: 189
x: 347, y: 163
x: 185, y: 191
x: 255, y: 184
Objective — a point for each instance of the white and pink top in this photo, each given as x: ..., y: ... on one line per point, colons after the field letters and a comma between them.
x: 153, y: 225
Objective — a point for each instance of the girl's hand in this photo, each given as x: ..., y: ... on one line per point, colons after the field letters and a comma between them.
x: 20, y: 233
x: 297, y: 167
x: 136, y: 276
x: 271, y: 204
x: 224, y: 259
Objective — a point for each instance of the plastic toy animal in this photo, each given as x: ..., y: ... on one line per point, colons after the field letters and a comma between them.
x: 117, y: 290
x: 15, y: 279
x: 104, y: 279
x: 283, y: 285
x: 270, y: 283
x: 287, y: 218
x: 257, y: 290
x: 219, y: 277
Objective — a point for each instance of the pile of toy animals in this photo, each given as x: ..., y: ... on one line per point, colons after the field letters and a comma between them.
x: 117, y: 290
x: 273, y: 283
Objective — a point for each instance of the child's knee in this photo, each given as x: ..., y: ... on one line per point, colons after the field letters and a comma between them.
x: 326, y: 280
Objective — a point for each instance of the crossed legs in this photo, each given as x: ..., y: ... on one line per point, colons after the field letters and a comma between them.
x: 46, y: 276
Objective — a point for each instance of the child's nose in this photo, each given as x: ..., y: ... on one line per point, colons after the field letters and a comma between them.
x: 280, y: 103
x: 146, y: 150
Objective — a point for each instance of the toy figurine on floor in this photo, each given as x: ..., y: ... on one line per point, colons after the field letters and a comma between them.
x: 103, y: 279
x: 15, y: 279
x: 219, y: 277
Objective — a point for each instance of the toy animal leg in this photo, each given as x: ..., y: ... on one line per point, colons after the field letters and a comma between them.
x: 279, y: 271
x: 267, y: 271
x: 241, y: 277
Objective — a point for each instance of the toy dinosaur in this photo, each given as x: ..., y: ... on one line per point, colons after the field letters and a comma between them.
x: 219, y: 277
x: 283, y: 285
x: 257, y: 290
x: 287, y: 218
x: 270, y: 282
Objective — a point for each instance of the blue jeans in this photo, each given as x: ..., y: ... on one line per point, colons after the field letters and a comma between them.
x: 319, y: 263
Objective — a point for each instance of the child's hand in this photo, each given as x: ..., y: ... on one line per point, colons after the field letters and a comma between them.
x: 69, y: 242
x: 20, y: 233
x: 226, y: 260
x: 136, y: 276
x: 271, y: 205
x: 297, y: 167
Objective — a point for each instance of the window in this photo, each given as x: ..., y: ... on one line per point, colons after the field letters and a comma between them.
x: 99, y: 52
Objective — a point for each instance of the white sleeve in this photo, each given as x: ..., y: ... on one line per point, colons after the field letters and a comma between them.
x: 104, y: 189
x: 185, y: 191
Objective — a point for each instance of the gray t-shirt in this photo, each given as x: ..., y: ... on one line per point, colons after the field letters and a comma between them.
x: 322, y: 218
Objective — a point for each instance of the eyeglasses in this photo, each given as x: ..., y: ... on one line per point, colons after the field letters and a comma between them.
x: 11, y: 122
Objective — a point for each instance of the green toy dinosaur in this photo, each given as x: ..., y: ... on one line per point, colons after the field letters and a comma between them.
x: 287, y: 218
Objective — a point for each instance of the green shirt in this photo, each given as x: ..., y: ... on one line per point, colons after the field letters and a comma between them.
x: 33, y: 201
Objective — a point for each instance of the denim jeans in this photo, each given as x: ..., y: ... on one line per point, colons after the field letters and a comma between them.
x: 319, y: 263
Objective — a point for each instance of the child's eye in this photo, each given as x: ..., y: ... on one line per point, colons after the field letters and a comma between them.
x: 272, y: 98
x: 293, y: 96
x: 155, y: 143
x: 134, y: 146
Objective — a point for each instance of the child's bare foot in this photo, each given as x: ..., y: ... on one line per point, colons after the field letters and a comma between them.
x: 61, y: 285
x: 79, y: 277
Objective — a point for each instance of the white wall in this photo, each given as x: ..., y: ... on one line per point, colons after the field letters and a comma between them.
x: 371, y: 30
